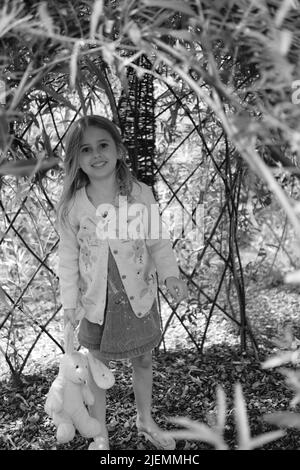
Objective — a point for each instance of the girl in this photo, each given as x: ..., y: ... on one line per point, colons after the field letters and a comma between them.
x: 108, y: 263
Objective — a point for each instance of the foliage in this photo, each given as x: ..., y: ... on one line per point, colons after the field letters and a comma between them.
x: 214, y: 435
x: 247, y: 55
x: 288, y: 353
x: 232, y: 67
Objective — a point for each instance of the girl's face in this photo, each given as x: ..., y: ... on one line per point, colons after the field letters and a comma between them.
x: 98, y: 153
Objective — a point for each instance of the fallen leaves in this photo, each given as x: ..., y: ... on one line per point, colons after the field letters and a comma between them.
x: 188, y: 391
x: 185, y: 385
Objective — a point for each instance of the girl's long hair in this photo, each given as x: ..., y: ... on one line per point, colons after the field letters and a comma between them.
x: 75, y: 178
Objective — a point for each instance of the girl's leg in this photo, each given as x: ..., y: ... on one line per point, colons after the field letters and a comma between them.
x: 98, y: 411
x: 142, y: 386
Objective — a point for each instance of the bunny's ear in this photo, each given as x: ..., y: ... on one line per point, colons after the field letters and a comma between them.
x: 102, y: 375
x: 69, y: 338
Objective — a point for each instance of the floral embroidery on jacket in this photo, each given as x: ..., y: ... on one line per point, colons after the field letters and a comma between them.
x: 83, y: 287
x: 138, y: 250
x: 150, y: 283
x: 86, y: 256
x: 88, y: 241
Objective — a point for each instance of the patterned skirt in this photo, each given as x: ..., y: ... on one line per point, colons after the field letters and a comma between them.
x: 122, y: 335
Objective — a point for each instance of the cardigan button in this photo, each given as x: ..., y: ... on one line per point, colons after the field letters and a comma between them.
x: 131, y: 297
x: 139, y: 314
x: 115, y: 252
x: 124, y: 276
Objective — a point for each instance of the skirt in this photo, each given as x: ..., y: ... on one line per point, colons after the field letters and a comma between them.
x: 122, y: 335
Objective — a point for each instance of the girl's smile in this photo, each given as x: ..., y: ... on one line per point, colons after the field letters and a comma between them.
x: 98, y: 164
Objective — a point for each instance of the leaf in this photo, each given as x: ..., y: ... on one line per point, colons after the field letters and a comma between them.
x: 3, y: 298
x: 196, y: 380
x: 127, y: 438
x: 109, y: 52
x: 104, y: 84
x: 2, y: 92
x: 81, y: 98
x: 286, y: 340
x: 197, y: 432
x: 286, y: 419
x: 282, y: 11
x: 265, y: 438
x: 23, y: 86
x: 9, y: 20
x: 96, y: 13
x: 134, y: 33
x: 34, y: 419
x: 108, y: 25
x: 27, y: 167
x: 293, y: 277
x: 241, y: 418
x: 245, y: 441
x: 284, y: 41
x: 47, y: 143
x: 4, y: 131
x: 74, y: 64
x: 181, y: 34
x: 170, y: 5
x: 221, y: 404
x: 46, y: 19
x: 163, y: 17
x: 278, y: 360
x: 57, y: 96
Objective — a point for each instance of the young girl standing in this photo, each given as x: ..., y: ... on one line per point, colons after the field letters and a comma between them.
x: 108, y: 261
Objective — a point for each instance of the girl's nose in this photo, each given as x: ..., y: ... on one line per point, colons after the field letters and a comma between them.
x: 96, y: 153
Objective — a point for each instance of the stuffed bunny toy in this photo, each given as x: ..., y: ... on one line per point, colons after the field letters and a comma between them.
x: 70, y: 392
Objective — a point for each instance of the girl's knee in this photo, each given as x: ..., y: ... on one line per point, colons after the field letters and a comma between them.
x: 143, y: 362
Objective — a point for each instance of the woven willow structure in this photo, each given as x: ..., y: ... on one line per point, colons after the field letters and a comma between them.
x: 137, y: 122
x: 188, y: 168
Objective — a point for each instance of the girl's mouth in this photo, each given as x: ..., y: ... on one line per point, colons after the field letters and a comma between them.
x: 98, y: 164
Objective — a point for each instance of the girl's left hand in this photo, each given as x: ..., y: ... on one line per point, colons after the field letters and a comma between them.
x: 177, y: 288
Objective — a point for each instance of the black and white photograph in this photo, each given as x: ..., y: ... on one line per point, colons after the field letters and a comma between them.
x: 149, y: 228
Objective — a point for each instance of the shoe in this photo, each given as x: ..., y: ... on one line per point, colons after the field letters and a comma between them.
x: 99, y: 443
x: 158, y: 439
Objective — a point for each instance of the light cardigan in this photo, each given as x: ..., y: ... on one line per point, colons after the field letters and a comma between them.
x: 83, y: 254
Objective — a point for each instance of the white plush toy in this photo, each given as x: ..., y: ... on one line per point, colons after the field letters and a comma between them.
x: 70, y: 392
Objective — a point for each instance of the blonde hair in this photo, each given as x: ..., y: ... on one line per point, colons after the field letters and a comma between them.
x: 75, y: 178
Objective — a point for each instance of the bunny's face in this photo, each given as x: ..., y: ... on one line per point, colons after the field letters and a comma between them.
x: 74, y: 367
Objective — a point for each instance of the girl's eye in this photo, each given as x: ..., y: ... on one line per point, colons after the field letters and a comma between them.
x: 85, y: 150
x: 103, y: 145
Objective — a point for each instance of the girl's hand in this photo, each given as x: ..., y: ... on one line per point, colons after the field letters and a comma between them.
x: 177, y: 288
x: 69, y: 317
